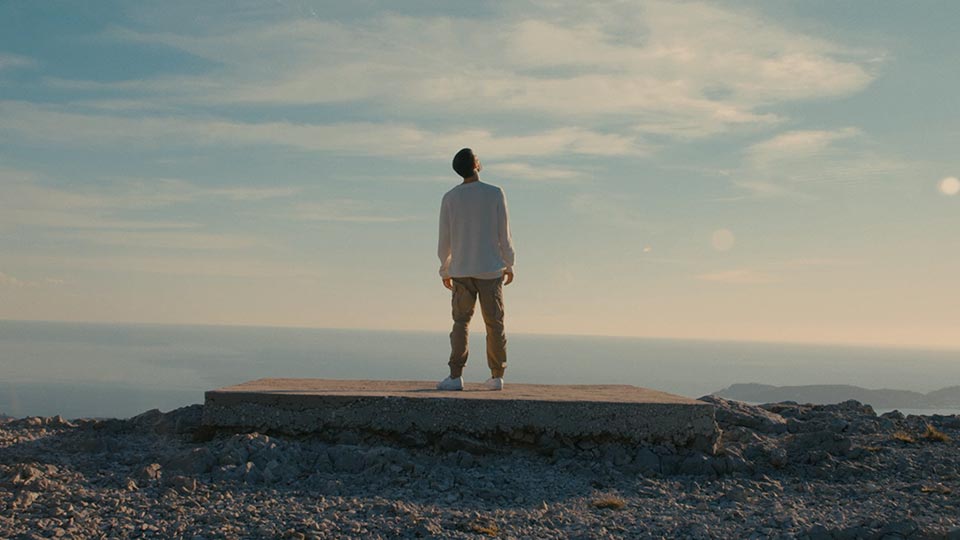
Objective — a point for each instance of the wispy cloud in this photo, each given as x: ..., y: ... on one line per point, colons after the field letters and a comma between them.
x: 250, y: 193
x: 348, y: 210
x: 226, y: 264
x: 48, y: 124
x: 7, y: 280
x: 777, y: 271
x: 811, y: 262
x: 109, y: 213
x: 528, y: 171
x: 11, y: 61
x: 682, y: 69
x: 793, y: 146
x: 800, y: 164
x: 186, y: 240
x: 608, y: 209
x: 28, y: 201
x: 764, y: 189
x: 742, y: 276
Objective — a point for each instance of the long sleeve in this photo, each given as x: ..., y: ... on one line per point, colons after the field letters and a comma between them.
x: 443, y: 246
x: 503, y: 227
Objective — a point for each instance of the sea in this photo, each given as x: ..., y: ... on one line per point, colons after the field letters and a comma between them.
x: 92, y: 370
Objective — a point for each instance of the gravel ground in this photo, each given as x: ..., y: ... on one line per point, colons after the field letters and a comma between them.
x: 785, y: 470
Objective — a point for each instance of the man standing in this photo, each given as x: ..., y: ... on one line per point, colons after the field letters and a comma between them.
x: 476, y: 254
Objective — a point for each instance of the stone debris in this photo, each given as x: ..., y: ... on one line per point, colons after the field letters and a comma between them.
x: 735, y: 413
x: 781, y: 470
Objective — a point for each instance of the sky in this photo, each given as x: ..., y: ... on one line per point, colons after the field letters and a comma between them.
x: 725, y: 170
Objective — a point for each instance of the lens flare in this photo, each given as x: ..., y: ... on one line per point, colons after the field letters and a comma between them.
x: 950, y: 186
x: 722, y: 239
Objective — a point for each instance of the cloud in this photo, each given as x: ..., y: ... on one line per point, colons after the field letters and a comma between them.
x: 250, y: 194
x: 226, y: 265
x: 773, y: 271
x: 7, y: 280
x: 27, y: 201
x: 189, y: 240
x: 348, y: 210
x: 559, y: 141
x: 607, y: 208
x: 683, y: 69
x: 801, y: 164
x: 809, y: 262
x: 526, y: 171
x: 762, y: 189
x: 98, y: 213
x: 48, y: 124
x: 739, y: 276
x: 12, y: 61
x: 797, y: 146
x: 77, y: 219
x: 25, y: 191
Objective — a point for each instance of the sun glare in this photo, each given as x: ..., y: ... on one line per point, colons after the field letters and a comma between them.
x: 950, y: 186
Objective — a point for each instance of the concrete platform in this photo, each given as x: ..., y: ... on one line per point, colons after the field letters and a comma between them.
x: 525, y: 412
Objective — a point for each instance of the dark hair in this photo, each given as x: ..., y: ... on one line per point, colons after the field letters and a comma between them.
x: 464, y: 162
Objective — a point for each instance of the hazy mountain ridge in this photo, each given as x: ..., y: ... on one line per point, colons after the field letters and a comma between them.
x: 883, y: 398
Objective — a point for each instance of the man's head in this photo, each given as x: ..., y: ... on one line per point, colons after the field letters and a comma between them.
x: 465, y: 163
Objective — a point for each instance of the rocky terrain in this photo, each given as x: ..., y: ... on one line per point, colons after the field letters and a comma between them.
x: 785, y: 470
x: 883, y: 398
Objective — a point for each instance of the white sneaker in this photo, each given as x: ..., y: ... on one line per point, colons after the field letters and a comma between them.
x: 450, y: 384
x: 494, y: 383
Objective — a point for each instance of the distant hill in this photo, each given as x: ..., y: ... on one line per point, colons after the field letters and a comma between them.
x: 944, y: 397
x: 884, y: 398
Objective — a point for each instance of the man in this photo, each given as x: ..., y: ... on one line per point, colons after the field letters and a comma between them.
x: 476, y: 255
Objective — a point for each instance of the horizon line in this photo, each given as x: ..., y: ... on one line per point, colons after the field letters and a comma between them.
x: 840, y: 344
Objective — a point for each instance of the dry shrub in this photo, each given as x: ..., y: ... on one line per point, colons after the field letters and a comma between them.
x: 611, y: 502
x: 903, y: 436
x: 486, y: 527
x: 935, y: 435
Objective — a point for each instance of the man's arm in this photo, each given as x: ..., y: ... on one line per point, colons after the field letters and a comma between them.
x: 443, y: 246
x: 506, y: 240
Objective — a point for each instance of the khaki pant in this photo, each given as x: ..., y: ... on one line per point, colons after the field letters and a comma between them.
x: 465, y: 292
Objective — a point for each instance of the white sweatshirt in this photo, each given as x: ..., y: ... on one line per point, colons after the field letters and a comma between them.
x: 475, y: 232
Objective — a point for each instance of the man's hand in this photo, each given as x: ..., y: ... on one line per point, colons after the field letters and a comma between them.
x: 509, y: 275
x: 448, y: 283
